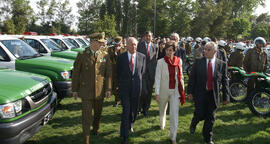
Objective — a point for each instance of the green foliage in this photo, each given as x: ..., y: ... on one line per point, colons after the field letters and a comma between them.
x: 106, y: 25
x: 21, y: 13
x: 9, y: 27
x: 240, y: 27
x: 89, y: 13
x: 261, y: 30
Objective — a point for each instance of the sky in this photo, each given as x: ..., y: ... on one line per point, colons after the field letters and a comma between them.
x: 257, y: 12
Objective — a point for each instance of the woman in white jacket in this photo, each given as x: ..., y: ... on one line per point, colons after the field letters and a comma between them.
x: 169, y: 83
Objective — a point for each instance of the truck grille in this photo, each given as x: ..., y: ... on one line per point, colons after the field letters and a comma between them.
x: 41, y: 93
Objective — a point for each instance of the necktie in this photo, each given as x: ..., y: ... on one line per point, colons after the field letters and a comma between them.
x: 147, y: 50
x: 209, y: 76
x: 131, y: 63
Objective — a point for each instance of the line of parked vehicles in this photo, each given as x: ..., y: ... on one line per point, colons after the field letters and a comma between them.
x: 35, y: 74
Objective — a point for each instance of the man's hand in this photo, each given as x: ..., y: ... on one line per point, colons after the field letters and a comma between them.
x: 225, y: 102
x: 158, y: 98
x: 75, y: 95
x: 190, y: 96
x: 108, y: 94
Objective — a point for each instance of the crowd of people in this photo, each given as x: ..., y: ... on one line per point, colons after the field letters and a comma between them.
x: 131, y: 69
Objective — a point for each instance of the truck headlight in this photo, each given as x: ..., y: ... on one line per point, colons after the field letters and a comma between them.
x: 66, y: 75
x: 10, y: 110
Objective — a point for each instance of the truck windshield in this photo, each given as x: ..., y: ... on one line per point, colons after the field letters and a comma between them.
x: 74, y: 42
x: 81, y: 41
x: 70, y: 44
x: 51, y: 45
x: 20, y: 49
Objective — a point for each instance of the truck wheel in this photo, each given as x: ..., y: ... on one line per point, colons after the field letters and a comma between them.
x: 259, y: 102
x: 238, y: 91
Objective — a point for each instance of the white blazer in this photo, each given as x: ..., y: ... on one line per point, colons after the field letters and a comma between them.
x: 162, y: 77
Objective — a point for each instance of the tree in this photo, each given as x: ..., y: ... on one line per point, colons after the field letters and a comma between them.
x: 64, y: 16
x: 145, y: 16
x: 9, y: 27
x: 261, y: 30
x: 42, y: 13
x: 106, y: 25
x: 240, y: 28
x: 21, y: 13
x: 89, y: 13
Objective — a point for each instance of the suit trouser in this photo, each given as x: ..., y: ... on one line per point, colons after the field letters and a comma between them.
x: 129, y: 113
x: 145, y: 100
x: 171, y: 96
x: 87, y: 118
x: 205, y: 110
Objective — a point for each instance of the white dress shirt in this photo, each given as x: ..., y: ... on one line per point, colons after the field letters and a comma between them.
x: 134, y: 60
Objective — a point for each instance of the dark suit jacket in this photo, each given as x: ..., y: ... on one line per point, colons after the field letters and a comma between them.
x: 181, y: 52
x: 130, y: 84
x: 198, y: 78
x: 152, y: 63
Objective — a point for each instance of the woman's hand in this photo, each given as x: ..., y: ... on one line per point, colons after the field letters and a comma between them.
x: 158, y: 98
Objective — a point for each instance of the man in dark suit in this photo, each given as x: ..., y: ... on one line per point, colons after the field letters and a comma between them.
x: 207, y: 75
x: 150, y: 50
x: 130, y: 70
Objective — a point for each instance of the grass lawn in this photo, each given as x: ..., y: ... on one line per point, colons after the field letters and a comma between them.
x: 234, y: 124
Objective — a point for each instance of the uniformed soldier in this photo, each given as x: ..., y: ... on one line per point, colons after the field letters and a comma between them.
x: 198, y: 43
x: 91, y: 78
x: 114, y: 51
x: 221, y: 53
x: 188, y: 46
x: 237, y: 57
x: 199, y: 52
x: 255, y: 61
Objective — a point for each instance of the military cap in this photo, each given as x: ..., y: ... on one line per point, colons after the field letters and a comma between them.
x: 100, y: 37
x: 118, y: 39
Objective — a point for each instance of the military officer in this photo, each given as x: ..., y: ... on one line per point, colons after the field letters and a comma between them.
x: 255, y: 61
x: 114, y: 51
x: 91, y: 81
x: 237, y: 57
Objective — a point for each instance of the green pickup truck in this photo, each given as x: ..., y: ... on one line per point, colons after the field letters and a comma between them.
x: 27, y: 103
x: 17, y: 55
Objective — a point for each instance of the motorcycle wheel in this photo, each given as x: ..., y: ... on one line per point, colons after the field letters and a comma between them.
x: 238, y: 91
x: 259, y: 102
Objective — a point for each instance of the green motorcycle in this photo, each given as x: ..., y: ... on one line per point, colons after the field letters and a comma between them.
x: 259, y: 99
x: 238, y: 84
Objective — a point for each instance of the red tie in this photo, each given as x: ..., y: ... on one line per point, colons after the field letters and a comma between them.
x: 209, y: 76
x: 131, y: 63
x: 147, y: 50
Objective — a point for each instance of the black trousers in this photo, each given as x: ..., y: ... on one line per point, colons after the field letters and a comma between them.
x: 145, y: 99
x: 205, y: 110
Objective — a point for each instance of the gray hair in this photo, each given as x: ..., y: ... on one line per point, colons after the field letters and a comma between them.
x: 211, y: 44
x: 176, y: 35
x: 130, y: 39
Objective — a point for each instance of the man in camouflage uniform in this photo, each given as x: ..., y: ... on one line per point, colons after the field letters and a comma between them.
x: 198, y: 53
x: 188, y: 47
x: 237, y: 57
x: 91, y: 81
x: 255, y: 61
x: 114, y: 51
